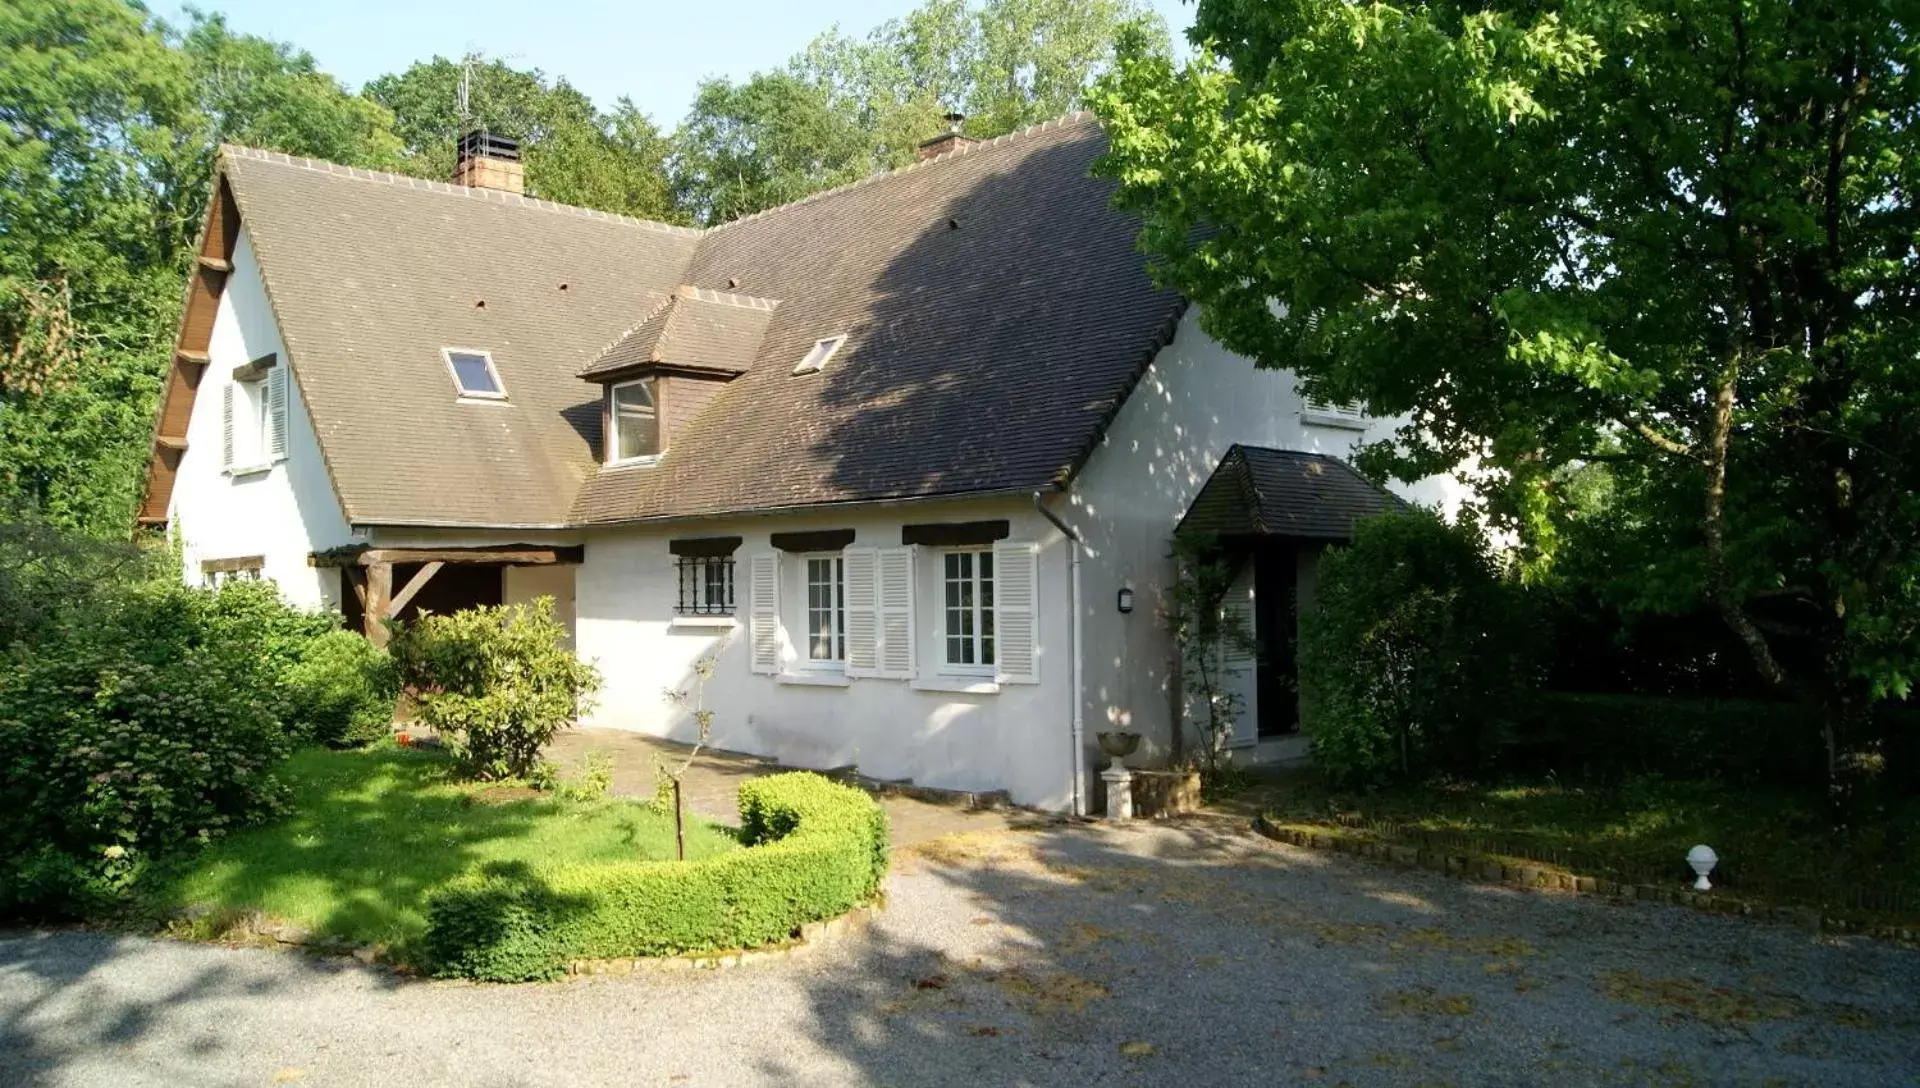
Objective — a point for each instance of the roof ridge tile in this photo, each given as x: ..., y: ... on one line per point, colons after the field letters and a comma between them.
x: 492, y: 196
x: 1073, y: 117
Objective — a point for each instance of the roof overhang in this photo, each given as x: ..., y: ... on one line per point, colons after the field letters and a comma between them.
x: 1256, y: 491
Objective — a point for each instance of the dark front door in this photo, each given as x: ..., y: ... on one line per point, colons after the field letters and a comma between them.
x: 1275, y: 599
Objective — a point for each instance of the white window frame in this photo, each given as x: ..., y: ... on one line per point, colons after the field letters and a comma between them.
x: 252, y: 422
x: 499, y: 387
x: 817, y: 356
x: 613, y: 424
x: 836, y: 611
x: 977, y: 611
x: 1349, y: 415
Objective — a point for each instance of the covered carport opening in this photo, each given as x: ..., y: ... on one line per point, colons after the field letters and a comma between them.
x: 378, y: 584
x: 1268, y: 514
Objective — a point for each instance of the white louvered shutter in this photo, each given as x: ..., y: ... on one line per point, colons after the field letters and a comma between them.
x: 277, y: 412
x: 895, y: 608
x: 763, y: 610
x: 860, y: 579
x: 226, y: 425
x: 1016, y: 613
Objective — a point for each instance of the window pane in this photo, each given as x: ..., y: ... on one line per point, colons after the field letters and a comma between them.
x: 636, y: 427
x: 471, y: 372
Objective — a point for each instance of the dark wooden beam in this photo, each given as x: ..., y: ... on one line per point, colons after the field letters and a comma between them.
x: 952, y: 534
x: 517, y: 555
x: 708, y: 547
x: 819, y: 540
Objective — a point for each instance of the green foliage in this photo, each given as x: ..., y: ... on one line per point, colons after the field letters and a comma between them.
x: 847, y: 107
x: 496, y: 682
x: 815, y: 849
x: 1413, y: 654
x: 148, y: 730
x: 374, y: 829
x: 341, y: 691
x: 112, y: 120
x: 1675, y: 242
x: 574, y: 154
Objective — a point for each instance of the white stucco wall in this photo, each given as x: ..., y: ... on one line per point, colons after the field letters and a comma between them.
x: 1195, y: 401
x: 1017, y: 738
x: 282, y: 514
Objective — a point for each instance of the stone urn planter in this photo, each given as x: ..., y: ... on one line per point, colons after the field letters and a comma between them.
x: 1118, y: 780
x: 1118, y: 746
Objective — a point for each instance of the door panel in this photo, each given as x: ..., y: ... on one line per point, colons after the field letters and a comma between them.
x: 1238, y: 674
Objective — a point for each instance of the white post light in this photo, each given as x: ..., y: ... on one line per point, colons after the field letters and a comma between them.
x: 1702, y: 859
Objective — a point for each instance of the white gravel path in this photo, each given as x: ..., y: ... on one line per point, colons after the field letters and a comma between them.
x: 1072, y: 956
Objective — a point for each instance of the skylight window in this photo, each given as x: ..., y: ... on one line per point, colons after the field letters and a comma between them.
x: 473, y: 373
x: 822, y: 351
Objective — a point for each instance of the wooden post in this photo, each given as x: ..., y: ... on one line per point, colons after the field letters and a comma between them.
x: 379, y: 596
x: 679, y: 827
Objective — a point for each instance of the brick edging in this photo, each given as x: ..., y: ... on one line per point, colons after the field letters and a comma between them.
x: 813, y: 936
x: 1541, y: 877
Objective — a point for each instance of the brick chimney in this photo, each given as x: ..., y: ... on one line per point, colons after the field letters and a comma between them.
x: 950, y: 140
x: 486, y: 161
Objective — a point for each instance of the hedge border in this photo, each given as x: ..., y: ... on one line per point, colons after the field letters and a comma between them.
x: 1535, y: 876
x: 813, y: 936
x: 813, y: 850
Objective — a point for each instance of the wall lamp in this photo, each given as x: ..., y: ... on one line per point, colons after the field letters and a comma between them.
x: 1126, y: 600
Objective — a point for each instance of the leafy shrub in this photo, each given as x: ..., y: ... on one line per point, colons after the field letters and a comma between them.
x: 497, y: 683
x: 341, y: 691
x: 141, y: 732
x: 815, y: 849
x: 1744, y: 741
x: 1413, y: 654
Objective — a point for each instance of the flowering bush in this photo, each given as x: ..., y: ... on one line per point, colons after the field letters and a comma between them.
x: 496, y: 683
x: 138, y: 730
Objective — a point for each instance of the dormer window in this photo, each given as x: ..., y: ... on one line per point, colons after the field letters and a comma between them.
x: 473, y: 373
x: 635, y: 418
x: 817, y: 358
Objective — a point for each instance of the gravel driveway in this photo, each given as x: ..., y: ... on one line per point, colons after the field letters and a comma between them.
x: 1145, y: 955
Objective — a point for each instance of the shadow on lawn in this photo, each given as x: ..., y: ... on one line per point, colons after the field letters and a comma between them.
x: 368, y: 838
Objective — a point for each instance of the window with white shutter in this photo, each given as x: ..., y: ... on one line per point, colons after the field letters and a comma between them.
x: 763, y: 616
x: 862, y: 578
x: 276, y: 438
x: 893, y: 594
x: 226, y: 425
x: 1016, y: 613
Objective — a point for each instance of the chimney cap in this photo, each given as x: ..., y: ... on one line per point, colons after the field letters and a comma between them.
x: 954, y: 120
x: 481, y: 144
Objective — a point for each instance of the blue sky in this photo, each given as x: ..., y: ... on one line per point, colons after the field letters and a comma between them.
x: 653, y: 52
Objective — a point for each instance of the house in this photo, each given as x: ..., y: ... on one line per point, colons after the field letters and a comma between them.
x: 907, y: 455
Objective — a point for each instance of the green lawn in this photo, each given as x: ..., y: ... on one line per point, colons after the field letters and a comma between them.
x: 373, y: 831
x: 1774, y: 846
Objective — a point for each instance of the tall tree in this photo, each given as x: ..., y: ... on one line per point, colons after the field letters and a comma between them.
x: 111, y: 121
x: 846, y: 107
x: 1677, y: 240
x: 574, y: 154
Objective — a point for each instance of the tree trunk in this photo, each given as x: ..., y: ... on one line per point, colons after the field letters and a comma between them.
x: 679, y: 825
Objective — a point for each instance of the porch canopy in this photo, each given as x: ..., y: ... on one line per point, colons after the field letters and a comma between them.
x: 368, y: 577
x: 1256, y: 492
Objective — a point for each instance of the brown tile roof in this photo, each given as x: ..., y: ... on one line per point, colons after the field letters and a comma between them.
x: 995, y: 307
x: 996, y: 311
x: 370, y: 275
x: 1256, y: 491
x: 711, y: 330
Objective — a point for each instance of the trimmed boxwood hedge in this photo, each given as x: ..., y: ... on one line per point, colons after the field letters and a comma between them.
x: 814, y: 849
